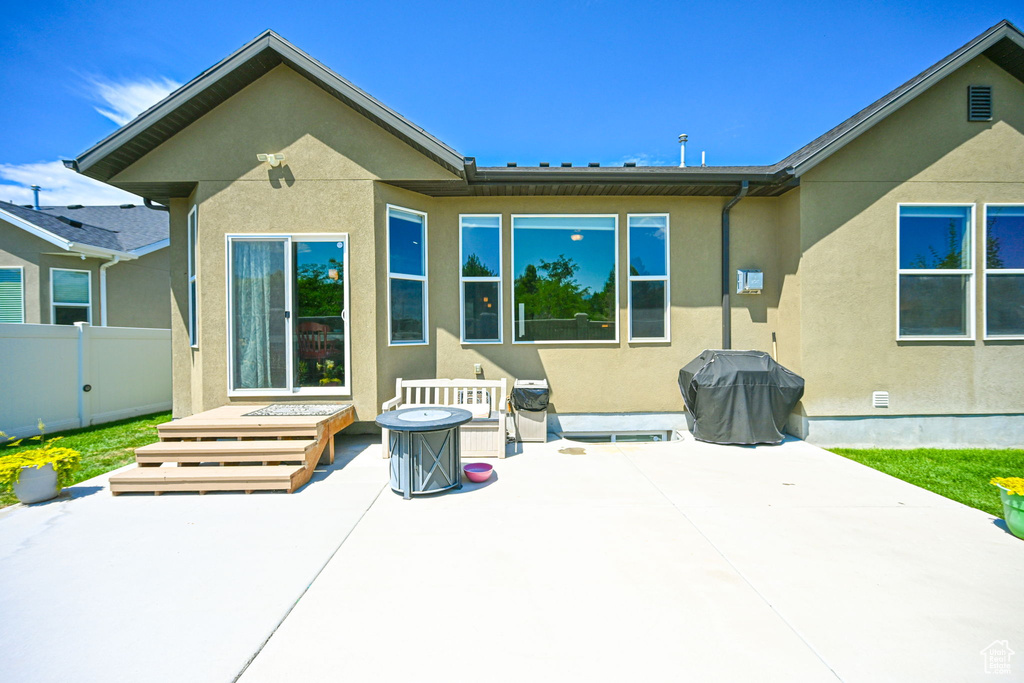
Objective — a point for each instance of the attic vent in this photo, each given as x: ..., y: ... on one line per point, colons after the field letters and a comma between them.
x: 879, y: 399
x: 979, y: 103
x: 75, y: 224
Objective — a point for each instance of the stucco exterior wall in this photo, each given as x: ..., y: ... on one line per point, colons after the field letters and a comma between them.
x: 925, y: 152
x: 18, y: 248
x: 139, y: 292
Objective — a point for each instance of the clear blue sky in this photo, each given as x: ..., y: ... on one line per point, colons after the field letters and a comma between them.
x: 510, y: 81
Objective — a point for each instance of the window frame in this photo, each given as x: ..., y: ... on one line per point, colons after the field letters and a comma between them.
x: 54, y: 304
x: 666, y: 278
x: 498, y: 279
x: 21, y: 277
x: 404, y: 276
x: 618, y: 316
x: 193, y: 290
x: 985, y: 271
x: 971, y: 312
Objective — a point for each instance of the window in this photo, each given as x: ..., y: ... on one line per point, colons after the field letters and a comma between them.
x: 936, y: 272
x: 407, y: 276
x: 12, y: 295
x: 480, y: 277
x: 70, y: 295
x: 1004, y: 272
x: 565, y: 270
x: 193, y: 326
x: 648, y: 277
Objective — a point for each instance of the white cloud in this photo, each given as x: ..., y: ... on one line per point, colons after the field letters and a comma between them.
x: 60, y: 186
x: 124, y: 100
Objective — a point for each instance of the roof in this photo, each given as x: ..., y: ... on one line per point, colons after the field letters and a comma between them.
x: 128, y: 231
x: 1003, y: 44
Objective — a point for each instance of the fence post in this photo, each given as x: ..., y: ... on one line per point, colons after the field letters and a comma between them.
x: 84, y: 407
x: 582, y: 326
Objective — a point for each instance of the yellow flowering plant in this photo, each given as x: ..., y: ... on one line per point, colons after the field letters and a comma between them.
x: 64, y: 460
x: 1012, y: 485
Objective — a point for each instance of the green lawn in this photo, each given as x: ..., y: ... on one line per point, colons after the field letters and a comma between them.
x: 103, y: 447
x: 962, y: 475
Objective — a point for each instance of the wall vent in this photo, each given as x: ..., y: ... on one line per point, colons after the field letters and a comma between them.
x: 979, y: 103
x: 880, y: 399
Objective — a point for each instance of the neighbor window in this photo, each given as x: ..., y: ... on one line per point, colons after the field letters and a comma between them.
x: 407, y: 276
x: 70, y: 296
x: 1004, y: 271
x: 648, y: 277
x: 565, y: 274
x: 936, y: 271
x: 480, y: 277
x: 12, y: 295
x: 193, y: 327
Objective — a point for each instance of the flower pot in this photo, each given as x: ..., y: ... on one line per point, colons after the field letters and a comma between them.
x: 1013, y: 512
x: 35, y: 485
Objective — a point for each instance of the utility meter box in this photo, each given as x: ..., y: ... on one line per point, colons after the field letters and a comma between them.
x: 749, y: 281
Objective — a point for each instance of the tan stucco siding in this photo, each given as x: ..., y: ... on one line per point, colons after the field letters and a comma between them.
x: 925, y: 152
x: 18, y: 248
x: 138, y: 292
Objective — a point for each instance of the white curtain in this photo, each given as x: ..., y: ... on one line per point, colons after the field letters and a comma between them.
x: 258, y: 274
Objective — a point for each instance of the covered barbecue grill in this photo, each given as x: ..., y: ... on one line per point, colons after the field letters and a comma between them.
x: 738, y: 397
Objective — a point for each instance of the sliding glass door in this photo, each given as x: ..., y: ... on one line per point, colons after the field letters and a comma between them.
x: 288, y: 320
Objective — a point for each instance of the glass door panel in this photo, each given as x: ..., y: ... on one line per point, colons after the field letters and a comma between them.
x: 259, y: 308
x: 320, y: 327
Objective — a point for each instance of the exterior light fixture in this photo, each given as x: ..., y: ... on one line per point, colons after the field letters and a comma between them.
x: 273, y: 159
x: 576, y: 237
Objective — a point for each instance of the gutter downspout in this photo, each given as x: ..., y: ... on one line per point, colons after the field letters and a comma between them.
x: 103, y: 288
x: 726, y: 279
x: 150, y: 204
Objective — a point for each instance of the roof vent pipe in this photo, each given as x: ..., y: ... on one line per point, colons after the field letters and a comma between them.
x: 682, y: 150
x: 703, y: 159
x: 726, y: 280
x: 35, y: 194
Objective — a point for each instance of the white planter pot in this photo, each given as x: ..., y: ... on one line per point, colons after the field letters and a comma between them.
x: 36, y: 485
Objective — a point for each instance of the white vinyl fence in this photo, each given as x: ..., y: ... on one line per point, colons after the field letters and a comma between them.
x: 77, y: 375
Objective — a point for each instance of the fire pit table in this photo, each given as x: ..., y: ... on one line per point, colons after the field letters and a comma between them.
x: 424, y: 448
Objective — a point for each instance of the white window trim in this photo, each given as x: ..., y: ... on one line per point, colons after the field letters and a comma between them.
x: 463, y: 280
x: 21, y: 274
x: 54, y: 304
x: 970, y: 273
x: 998, y: 271
x: 515, y: 307
x: 343, y: 391
x: 404, y: 276
x: 193, y: 264
x: 666, y: 278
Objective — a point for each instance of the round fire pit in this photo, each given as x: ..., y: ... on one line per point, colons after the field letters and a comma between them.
x: 424, y: 448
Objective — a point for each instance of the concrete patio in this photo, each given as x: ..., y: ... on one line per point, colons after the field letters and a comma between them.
x: 671, y: 561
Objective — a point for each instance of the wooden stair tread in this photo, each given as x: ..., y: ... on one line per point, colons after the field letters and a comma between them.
x: 234, y: 447
x: 256, y: 473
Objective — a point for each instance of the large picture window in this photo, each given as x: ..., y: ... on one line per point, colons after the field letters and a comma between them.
x: 12, y: 295
x: 565, y: 272
x: 936, y: 272
x: 407, y: 276
x: 193, y: 302
x: 70, y: 296
x: 648, y: 277
x: 480, y: 278
x: 1004, y: 272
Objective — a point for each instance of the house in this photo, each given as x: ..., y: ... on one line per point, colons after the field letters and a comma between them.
x: 322, y: 245
x: 105, y: 265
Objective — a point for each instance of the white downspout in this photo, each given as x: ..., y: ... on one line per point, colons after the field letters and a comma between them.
x: 103, y: 289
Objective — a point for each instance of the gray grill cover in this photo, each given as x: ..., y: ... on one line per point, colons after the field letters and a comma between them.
x: 740, y: 397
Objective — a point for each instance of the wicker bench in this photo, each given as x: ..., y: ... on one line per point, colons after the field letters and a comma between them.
x: 484, y: 435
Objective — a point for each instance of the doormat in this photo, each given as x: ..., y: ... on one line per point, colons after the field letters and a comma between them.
x: 297, y: 410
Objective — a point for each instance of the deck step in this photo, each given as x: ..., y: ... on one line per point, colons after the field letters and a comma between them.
x: 196, y: 429
x: 292, y: 450
x: 202, y: 479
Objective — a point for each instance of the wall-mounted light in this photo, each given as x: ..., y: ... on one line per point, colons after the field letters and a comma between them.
x: 576, y: 237
x: 273, y: 159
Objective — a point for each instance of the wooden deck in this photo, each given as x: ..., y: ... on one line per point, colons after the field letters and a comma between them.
x: 225, y: 450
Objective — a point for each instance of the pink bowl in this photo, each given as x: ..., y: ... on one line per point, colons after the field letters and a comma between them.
x: 478, y: 472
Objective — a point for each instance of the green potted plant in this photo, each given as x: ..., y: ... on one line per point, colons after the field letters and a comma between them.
x: 38, y: 474
x: 1011, y: 490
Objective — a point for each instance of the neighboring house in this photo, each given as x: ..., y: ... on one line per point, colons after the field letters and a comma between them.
x: 105, y: 265
x: 362, y: 249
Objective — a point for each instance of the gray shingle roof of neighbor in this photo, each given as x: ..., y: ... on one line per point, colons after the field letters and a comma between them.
x: 1003, y: 44
x: 106, y: 227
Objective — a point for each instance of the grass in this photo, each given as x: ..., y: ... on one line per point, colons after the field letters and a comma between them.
x: 103, y: 447
x: 960, y: 474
